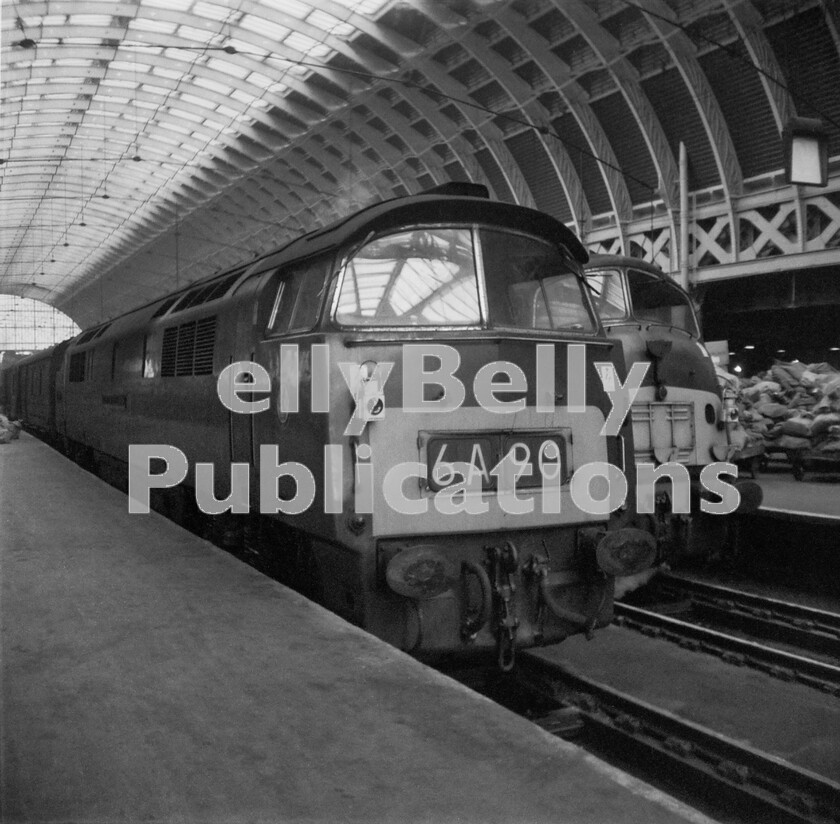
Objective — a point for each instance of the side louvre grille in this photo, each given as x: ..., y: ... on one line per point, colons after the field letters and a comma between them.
x: 205, y: 339
x: 167, y: 358
x: 188, y: 349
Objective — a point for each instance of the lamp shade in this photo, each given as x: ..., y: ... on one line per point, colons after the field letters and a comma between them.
x: 806, y: 152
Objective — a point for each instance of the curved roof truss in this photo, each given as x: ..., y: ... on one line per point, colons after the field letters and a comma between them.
x: 148, y: 143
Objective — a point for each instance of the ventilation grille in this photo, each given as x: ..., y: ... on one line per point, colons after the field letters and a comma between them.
x: 202, y: 294
x: 163, y: 308
x: 91, y: 334
x: 188, y: 349
x: 167, y: 357
x: 205, y: 339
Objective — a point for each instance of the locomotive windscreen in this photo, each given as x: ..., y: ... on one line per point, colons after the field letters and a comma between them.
x: 529, y: 285
x: 416, y: 278
x: 430, y: 277
x: 659, y: 301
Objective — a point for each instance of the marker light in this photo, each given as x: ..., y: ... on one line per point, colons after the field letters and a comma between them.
x: 626, y: 551
x: 420, y: 572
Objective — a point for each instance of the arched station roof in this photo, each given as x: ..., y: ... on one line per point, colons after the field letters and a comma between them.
x: 148, y: 143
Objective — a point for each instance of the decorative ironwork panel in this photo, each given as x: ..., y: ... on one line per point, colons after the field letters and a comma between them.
x: 768, y: 231
x: 653, y: 245
x: 607, y: 246
x: 822, y: 222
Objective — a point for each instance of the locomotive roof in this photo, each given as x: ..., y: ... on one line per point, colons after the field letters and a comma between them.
x: 429, y: 207
x: 598, y: 261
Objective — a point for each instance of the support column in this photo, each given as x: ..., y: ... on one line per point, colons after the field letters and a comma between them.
x: 683, y: 246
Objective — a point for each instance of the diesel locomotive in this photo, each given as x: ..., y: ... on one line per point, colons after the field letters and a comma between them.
x: 401, y: 414
x: 679, y: 415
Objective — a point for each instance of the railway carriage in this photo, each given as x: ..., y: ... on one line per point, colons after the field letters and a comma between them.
x: 27, y: 391
x: 391, y: 413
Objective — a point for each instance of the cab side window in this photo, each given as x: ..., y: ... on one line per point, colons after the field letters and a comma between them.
x: 298, y: 296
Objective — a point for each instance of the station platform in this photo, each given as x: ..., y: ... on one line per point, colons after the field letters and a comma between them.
x: 149, y: 676
x: 815, y: 499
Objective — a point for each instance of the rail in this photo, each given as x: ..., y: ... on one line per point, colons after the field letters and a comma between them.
x: 756, y: 785
x: 779, y: 663
x: 760, y: 605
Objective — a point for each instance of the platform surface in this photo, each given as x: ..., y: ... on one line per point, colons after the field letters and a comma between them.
x: 817, y: 497
x: 149, y: 676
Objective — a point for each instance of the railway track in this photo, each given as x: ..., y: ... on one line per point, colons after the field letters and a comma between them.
x: 762, y: 616
x: 724, y: 777
x: 749, y: 785
x: 786, y: 640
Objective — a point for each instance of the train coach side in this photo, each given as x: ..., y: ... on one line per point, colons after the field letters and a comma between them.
x: 27, y: 389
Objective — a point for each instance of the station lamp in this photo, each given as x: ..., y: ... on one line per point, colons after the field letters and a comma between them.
x: 806, y: 151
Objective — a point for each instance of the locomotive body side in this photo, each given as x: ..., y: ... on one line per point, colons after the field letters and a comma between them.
x: 407, y: 397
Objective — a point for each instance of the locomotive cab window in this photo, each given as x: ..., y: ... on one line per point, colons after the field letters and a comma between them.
x: 660, y: 301
x: 530, y: 285
x: 419, y: 277
x: 607, y: 294
x: 297, y: 300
